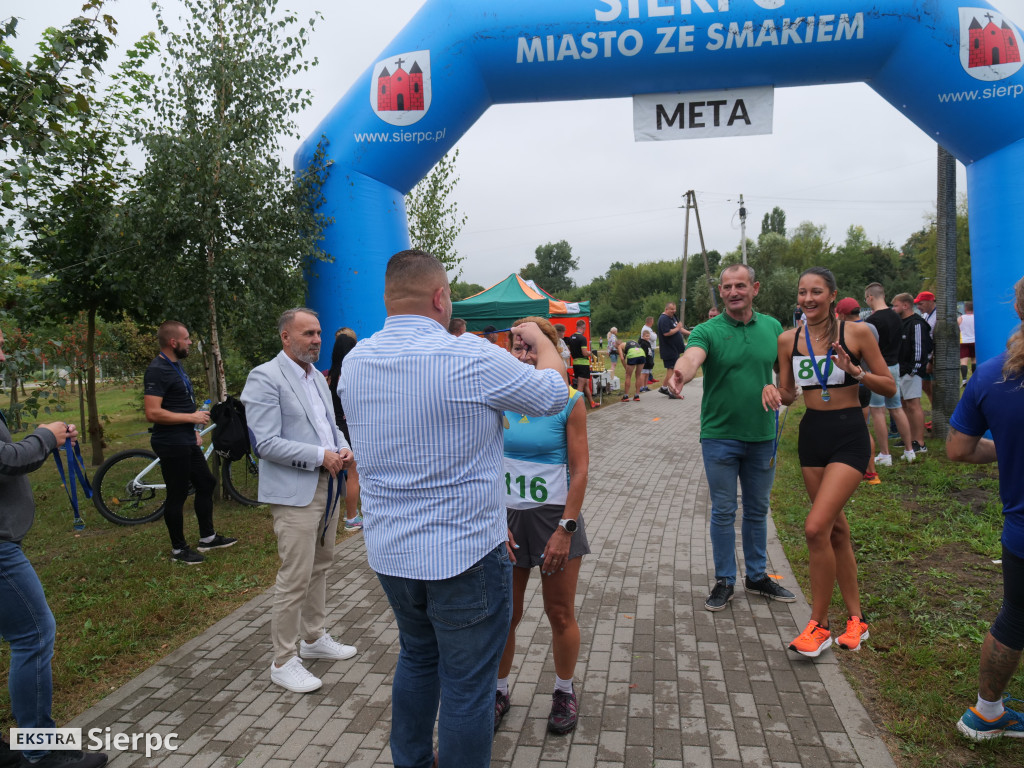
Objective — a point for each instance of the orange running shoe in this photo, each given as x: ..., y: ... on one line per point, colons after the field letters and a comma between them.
x: 871, y: 478
x: 856, y: 632
x: 812, y: 641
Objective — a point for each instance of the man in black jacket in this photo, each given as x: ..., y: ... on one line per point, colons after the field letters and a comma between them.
x: 890, y: 336
x: 915, y: 351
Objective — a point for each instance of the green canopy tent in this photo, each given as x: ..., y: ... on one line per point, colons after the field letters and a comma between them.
x: 504, y: 303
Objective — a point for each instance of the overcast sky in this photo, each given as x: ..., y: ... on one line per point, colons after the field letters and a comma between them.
x: 537, y: 173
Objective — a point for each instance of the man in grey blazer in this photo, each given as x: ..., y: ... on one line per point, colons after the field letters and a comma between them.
x: 302, y: 454
x: 26, y: 621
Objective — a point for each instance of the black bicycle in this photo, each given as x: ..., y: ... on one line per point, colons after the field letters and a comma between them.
x: 128, y: 488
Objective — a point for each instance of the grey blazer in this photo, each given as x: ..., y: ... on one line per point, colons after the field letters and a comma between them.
x: 17, y: 459
x: 283, y: 432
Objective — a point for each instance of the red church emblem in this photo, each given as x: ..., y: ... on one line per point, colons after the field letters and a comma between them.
x: 400, y: 88
x: 989, y: 44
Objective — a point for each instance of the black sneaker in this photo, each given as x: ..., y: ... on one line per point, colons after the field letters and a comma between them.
x: 219, y: 542
x: 564, y: 712
x: 667, y: 391
x: 502, y: 704
x: 720, y: 595
x: 918, y: 448
x: 8, y: 759
x: 188, y: 556
x: 69, y: 759
x: 770, y: 588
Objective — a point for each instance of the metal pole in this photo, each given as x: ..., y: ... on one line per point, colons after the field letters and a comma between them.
x: 704, y: 253
x: 743, y: 230
x: 686, y: 261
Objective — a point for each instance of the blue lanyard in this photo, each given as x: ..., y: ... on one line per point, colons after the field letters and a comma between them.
x: 778, y: 435
x: 332, y: 501
x: 76, y: 472
x: 183, y: 376
x: 814, y: 364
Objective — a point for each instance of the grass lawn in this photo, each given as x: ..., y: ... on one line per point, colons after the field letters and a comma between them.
x: 119, y: 601
x: 925, y: 540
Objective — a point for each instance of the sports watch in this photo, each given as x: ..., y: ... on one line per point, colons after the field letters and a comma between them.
x: 569, y: 526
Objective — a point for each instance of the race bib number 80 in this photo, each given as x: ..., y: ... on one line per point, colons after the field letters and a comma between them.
x: 531, y: 484
x: 803, y: 372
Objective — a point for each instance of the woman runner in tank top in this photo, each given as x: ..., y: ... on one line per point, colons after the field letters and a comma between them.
x: 822, y: 356
x: 546, y: 466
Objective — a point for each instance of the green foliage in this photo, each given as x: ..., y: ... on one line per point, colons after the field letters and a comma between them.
x: 774, y: 222
x: 554, y: 262
x: 462, y: 291
x: 434, y: 221
x: 41, y: 95
x: 224, y: 227
x: 921, y: 246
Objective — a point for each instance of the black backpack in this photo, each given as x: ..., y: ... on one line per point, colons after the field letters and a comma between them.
x: 231, y: 433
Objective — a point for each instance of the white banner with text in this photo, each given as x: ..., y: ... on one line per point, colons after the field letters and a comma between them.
x: 703, y: 114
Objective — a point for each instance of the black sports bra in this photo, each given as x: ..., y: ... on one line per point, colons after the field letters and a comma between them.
x: 803, y: 371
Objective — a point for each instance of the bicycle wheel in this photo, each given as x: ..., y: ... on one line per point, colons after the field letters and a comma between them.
x: 121, y: 496
x: 241, y: 479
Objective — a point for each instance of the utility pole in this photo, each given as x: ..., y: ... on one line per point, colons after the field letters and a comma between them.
x: 743, y: 229
x: 691, y: 202
x: 686, y: 262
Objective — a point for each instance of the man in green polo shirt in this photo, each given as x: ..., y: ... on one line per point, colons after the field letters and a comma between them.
x: 738, y: 351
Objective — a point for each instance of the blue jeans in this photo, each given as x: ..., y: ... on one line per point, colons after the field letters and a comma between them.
x: 725, y: 461
x: 451, y: 634
x: 27, y: 624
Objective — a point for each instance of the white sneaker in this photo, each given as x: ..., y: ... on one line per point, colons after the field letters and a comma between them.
x: 883, y: 460
x: 294, y: 676
x: 909, y: 456
x: 326, y: 648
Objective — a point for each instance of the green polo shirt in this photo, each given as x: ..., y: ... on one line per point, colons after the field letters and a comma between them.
x: 739, y: 363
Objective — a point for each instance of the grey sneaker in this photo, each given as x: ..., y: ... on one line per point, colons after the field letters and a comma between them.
x: 770, y: 588
x: 720, y: 595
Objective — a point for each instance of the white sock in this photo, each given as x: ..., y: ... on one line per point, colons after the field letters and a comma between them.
x: 503, y: 685
x: 208, y: 539
x: 990, y: 710
x: 565, y: 686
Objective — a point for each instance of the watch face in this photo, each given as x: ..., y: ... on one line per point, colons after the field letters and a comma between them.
x: 569, y: 525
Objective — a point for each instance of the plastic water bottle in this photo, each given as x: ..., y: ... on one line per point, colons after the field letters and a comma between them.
x: 204, y: 407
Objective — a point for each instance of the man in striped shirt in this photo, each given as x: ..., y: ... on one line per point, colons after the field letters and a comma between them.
x: 424, y: 409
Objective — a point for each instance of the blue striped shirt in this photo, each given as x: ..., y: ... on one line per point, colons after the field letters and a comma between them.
x: 424, y: 409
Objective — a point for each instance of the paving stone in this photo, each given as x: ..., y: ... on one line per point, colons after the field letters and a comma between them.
x: 661, y: 680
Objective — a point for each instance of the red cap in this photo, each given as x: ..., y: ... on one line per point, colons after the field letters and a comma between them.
x: 925, y: 296
x: 847, y: 306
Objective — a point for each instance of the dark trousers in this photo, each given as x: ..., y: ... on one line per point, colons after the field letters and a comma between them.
x: 181, y: 466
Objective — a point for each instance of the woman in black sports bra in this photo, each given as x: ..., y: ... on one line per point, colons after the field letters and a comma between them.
x: 822, y: 356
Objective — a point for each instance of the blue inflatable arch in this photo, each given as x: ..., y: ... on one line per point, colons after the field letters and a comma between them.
x: 954, y: 70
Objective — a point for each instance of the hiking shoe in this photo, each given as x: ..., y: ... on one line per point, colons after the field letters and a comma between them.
x: 856, y: 632
x: 883, y: 460
x: 326, y: 647
x: 188, y: 556
x: 720, y: 595
x: 295, y: 677
x: 218, y: 542
x: 871, y: 478
x: 908, y: 456
x: 355, y: 524
x: 812, y: 641
x: 769, y: 587
x: 636, y: 398
x: 974, y: 726
x: 502, y: 704
x: 68, y: 759
x: 564, y: 712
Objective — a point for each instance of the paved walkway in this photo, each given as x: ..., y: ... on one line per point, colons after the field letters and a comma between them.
x: 661, y: 681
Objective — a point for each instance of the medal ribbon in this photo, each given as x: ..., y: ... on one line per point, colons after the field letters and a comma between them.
x: 814, y: 363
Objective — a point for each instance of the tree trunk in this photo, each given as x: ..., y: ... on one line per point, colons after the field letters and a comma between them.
x: 14, y: 413
x: 95, y: 427
x: 946, y: 365
x: 81, y: 400
x: 221, y: 391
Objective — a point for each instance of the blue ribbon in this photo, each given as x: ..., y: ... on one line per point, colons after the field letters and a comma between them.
x: 814, y: 364
x: 76, y: 473
x: 332, y: 500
